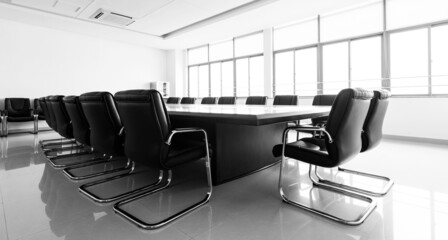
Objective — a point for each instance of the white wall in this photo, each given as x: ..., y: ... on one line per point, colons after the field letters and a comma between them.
x: 37, y: 61
x: 417, y: 117
x: 176, y: 72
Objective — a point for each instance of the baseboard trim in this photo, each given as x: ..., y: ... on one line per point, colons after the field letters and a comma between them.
x: 416, y: 139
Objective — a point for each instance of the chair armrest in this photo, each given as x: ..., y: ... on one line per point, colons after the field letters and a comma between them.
x: 308, y: 129
x: 184, y: 130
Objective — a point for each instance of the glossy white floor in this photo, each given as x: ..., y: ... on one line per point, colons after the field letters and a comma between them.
x: 38, y: 202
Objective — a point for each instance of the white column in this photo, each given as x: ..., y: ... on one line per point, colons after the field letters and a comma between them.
x: 268, y: 61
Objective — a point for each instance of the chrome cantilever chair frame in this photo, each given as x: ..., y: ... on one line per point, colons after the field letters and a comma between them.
x: 384, y: 191
x: 129, y: 165
x: 4, y: 131
x: 144, y: 225
x: 323, y: 184
x: 53, y: 160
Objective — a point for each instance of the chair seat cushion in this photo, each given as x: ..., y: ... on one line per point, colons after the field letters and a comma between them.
x: 180, y: 153
x: 305, y: 152
x: 277, y: 150
x: 20, y: 119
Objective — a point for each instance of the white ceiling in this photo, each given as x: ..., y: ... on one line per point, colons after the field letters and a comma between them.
x: 167, y: 24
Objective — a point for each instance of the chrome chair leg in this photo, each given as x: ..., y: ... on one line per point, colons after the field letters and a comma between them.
x: 140, y: 223
x: 36, y: 124
x: 384, y: 191
x: 96, y: 198
x: 5, y: 126
x: 67, y: 171
x: 368, y: 210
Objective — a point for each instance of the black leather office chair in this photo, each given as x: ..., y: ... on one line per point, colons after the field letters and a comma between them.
x: 81, y: 133
x: 47, y: 144
x: 106, y: 131
x: 286, y: 100
x: 227, y: 101
x: 208, y: 100
x: 64, y: 128
x: 372, y: 132
x: 256, y: 100
x: 188, y: 100
x: 173, y: 100
x: 38, y: 110
x: 150, y: 140
x: 342, y: 143
x: 18, y: 110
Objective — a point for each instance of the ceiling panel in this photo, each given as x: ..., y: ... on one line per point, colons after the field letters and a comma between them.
x: 169, y: 18
x: 134, y: 8
x: 64, y: 7
x: 217, y: 5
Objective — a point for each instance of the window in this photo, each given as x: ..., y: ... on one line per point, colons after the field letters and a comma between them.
x: 299, y: 34
x: 242, y: 77
x: 439, y: 59
x: 405, y: 13
x: 335, y: 65
x: 256, y: 76
x: 220, y: 51
x: 365, y: 63
x: 409, y: 62
x: 306, y: 72
x: 215, y: 79
x: 203, y: 81
x: 249, y: 45
x: 198, y: 55
x: 356, y: 21
x: 193, y: 78
x: 227, y: 78
x: 284, y: 73
x: 215, y: 71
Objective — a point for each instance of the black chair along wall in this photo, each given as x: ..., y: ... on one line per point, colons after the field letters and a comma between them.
x: 18, y: 110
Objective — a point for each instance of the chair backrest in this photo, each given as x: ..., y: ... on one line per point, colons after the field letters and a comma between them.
x: 256, y: 100
x: 147, y: 126
x: 44, y: 107
x: 52, y: 118
x: 18, y: 107
x: 208, y: 100
x: 286, y: 100
x: 63, y: 123
x: 373, y: 125
x: 81, y: 129
x: 322, y: 100
x: 345, y: 122
x: 187, y: 100
x: 173, y: 100
x: 227, y: 101
x: 104, y: 121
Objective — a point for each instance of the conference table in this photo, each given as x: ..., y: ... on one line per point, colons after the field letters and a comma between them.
x: 241, y: 137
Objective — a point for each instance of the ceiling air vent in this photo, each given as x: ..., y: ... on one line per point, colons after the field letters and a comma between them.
x: 112, y: 18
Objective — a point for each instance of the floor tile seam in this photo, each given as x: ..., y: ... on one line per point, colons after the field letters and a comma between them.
x: 4, y: 219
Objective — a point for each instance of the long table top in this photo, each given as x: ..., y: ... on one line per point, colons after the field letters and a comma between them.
x: 246, y: 114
